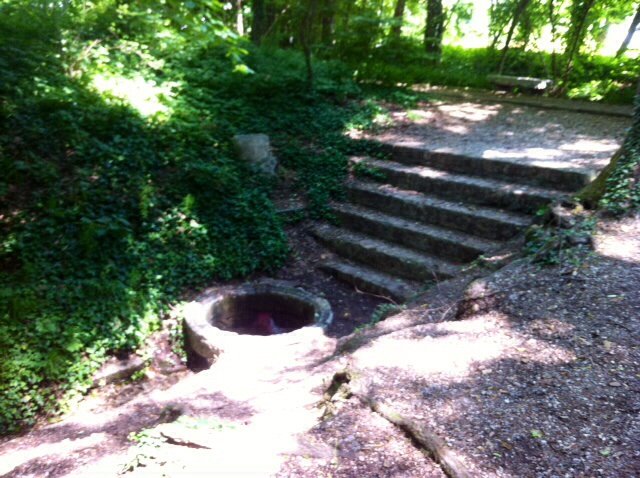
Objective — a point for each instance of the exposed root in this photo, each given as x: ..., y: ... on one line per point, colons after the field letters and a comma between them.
x: 338, y: 391
x: 432, y: 443
x: 375, y: 295
x: 425, y: 438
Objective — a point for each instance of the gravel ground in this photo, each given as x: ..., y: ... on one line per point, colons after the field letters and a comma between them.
x: 543, y: 380
x: 526, y: 372
x: 529, y: 371
x: 551, y: 138
x: 365, y: 444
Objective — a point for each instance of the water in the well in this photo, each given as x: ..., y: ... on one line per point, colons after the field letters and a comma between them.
x: 262, y: 323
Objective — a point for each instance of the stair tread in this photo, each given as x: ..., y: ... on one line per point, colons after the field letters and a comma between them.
x: 449, y: 235
x: 427, y: 262
x: 370, y: 280
x: 427, y: 172
x: 566, y: 178
x: 416, y: 197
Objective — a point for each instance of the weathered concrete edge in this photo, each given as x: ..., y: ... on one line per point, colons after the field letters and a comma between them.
x: 370, y: 281
x: 208, y: 341
x: 623, y: 111
x: 567, y: 179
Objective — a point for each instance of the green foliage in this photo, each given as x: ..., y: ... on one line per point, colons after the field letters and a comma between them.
x: 385, y: 310
x: 593, y: 78
x: 120, y: 188
x: 622, y: 187
x: 148, y: 442
x: 362, y: 170
x: 380, y: 313
x: 560, y: 244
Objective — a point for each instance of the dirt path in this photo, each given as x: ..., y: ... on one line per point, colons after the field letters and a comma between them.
x: 526, y: 372
x: 540, y: 376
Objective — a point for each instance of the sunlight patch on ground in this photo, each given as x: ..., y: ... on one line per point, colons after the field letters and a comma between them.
x: 535, y: 153
x: 470, y: 111
x: 14, y: 459
x: 464, y: 112
x: 453, y: 350
x: 623, y: 242
x: 145, y: 96
x: 590, y: 146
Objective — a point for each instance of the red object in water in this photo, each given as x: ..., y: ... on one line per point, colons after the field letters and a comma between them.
x: 264, y: 324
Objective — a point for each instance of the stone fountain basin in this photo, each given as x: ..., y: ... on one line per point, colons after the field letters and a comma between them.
x: 224, y: 316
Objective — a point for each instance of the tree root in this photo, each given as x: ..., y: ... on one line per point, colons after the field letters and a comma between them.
x: 425, y: 438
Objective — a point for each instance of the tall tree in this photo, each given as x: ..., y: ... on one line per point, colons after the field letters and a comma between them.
x: 553, y: 21
x: 632, y: 29
x: 309, y: 8
x: 621, y: 174
x: 327, y: 21
x: 434, y: 29
x: 259, y: 21
x: 519, y: 9
x: 579, y: 14
x: 239, y: 17
x: 499, y: 17
x: 398, y: 18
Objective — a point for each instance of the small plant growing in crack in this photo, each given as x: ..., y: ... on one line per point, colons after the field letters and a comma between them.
x: 380, y: 313
x: 336, y: 394
x: 564, y: 236
x: 145, y: 452
x: 184, y: 431
x: 364, y: 171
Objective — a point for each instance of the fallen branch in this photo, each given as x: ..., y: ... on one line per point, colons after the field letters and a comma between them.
x: 375, y: 295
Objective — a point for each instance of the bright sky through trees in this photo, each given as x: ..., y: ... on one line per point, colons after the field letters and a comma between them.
x: 476, y: 31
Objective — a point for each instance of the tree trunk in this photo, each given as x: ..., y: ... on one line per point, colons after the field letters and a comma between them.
x: 398, y: 18
x: 554, y: 28
x: 239, y: 18
x: 434, y: 28
x: 271, y: 13
x: 591, y: 194
x: 576, y: 33
x: 328, y: 20
x: 632, y: 30
x: 306, y: 30
x: 346, y: 20
x: 521, y: 6
x: 494, y: 40
x: 259, y: 22
x: 499, y: 29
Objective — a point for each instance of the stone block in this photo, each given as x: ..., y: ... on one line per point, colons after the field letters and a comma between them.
x: 255, y: 149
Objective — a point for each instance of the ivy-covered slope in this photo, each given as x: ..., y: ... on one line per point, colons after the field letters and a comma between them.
x: 120, y: 189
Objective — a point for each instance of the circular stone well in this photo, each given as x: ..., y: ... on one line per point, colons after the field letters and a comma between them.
x: 259, y: 308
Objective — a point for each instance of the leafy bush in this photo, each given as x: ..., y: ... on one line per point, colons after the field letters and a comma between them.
x: 563, y: 236
x: 622, y: 186
x: 594, y: 78
x: 120, y: 189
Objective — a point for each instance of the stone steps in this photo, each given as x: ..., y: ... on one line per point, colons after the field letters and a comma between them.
x: 480, y: 221
x: 370, y: 280
x: 448, y: 244
x: 384, y: 256
x: 566, y: 179
x: 474, y: 190
x: 432, y: 214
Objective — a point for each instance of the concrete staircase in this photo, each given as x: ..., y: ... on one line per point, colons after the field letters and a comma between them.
x: 434, y: 213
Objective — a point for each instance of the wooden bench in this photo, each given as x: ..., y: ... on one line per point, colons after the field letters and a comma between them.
x: 522, y: 82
